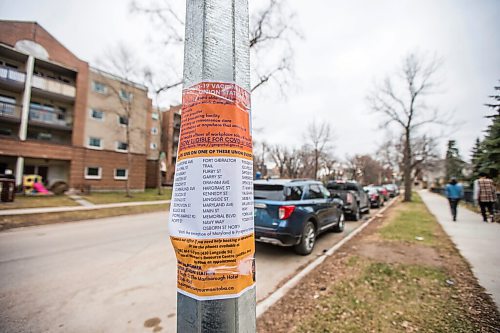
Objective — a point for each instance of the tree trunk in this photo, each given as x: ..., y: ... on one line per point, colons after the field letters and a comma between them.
x: 127, y: 182
x: 407, y: 167
x: 158, y: 178
x: 316, y: 164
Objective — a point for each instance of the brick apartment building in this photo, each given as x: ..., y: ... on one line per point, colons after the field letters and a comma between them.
x: 66, y: 121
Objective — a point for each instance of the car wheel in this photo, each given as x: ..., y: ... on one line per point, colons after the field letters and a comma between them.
x: 307, y: 240
x: 341, y: 224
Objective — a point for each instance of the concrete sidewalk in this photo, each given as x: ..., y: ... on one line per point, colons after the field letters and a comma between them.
x: 478, y: 242
x: 25, y: 211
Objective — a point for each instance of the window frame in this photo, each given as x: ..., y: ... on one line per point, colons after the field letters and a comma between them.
x: 125, y: 95
x: 117, y: 147
x: 120, y: 177
x: 97, y: 83
x: 151, y: 144
x: 99, y: 172
x: 154, y: 131
x: 120, y: 120
x: 101, y: 141
x: 91, y: 113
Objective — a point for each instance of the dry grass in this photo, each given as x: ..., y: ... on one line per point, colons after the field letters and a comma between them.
x: 15, y: 221
x: 38, y: 202
x: 390, y: 289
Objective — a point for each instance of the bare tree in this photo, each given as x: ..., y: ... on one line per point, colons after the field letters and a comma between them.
x: 272, y: 31
x: 260, y: 150
x: 120, y: 61
x: 400, y: 99
x: 319, y: 139
x: 294, y: 164
x: 279, y: 154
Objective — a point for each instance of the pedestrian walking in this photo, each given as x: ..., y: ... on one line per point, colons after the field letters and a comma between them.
x: 454, y: 192
x: 486, y: 196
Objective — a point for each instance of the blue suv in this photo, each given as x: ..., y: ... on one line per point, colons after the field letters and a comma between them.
x: 294, y: 212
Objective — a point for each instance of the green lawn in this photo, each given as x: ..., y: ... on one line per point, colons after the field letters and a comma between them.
x: 113, y: 197
x: 38, y: 201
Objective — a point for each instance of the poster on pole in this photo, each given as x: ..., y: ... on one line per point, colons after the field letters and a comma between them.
x: 211, y: 212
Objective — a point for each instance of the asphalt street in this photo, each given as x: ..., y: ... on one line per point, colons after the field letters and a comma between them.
x: 110, y: 275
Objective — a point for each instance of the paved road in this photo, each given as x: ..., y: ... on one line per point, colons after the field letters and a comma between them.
x: 477, y: 241
x: 109, y: 275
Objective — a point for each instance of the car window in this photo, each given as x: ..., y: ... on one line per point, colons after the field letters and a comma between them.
x: 268, y: 192
x: 293, y: 193
x: 326, y: 193
x: 314, y: 192
x: 351, y: 187
x: 277, y: 192
x: 343, y: 186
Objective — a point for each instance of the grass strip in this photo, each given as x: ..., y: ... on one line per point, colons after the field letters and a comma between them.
x: 21, y: 202
x: 115, y: 197
x: 358, y: 293
x: 16, y: 221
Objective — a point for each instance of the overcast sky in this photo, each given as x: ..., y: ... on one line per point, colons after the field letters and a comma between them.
x: 347, y: 47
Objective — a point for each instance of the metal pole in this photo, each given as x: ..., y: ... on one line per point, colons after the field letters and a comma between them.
x: 211, y: 217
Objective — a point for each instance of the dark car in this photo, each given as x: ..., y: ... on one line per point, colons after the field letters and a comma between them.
x: 376, y: 197
x: 355, y: 199
x: 393, y: 190
x: 295, y: 212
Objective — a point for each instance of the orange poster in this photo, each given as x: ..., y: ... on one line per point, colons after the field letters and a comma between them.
x: 211, y: 214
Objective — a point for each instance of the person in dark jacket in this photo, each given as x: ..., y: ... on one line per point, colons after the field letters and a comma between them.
x: 486, y: 196
x: 454, y: 192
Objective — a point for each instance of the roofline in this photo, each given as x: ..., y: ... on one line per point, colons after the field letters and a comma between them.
x: 118, y: 78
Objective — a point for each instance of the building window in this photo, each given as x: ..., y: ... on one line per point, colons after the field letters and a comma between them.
x: 153, y: 145
x: 7, y: 105
x: 155, y: 116
x: 121, y: 146
x: 99, y: 87
x: 95, y: 143
x: 125, y: 95
x: 122, y: 120
x: 93, y: 173
x: 96, y: 114
x: 154, y: 130
x: 121, y: 174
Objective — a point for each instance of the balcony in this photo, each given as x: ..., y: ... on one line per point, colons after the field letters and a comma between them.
x: 51, y: 118
x: 12, y: 78
x: 10, y: 112
x: 53, y: 87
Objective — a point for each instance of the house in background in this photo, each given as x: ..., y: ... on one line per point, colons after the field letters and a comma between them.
x: 164, y: 138
x: 64, y: 120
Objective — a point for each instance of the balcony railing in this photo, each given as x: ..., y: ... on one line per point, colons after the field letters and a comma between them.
x: 53, y: 86
x: 12, y: 74
x: 9, y: 110
x: 50, y: 117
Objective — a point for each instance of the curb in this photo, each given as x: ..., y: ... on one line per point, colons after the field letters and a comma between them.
x: 264, y: 305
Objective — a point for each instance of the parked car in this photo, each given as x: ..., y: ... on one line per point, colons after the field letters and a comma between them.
x: 384, y: 192
x: 393, y: 190
x: 376, y: 197
x: 295, y: 212
x: 356, y: 201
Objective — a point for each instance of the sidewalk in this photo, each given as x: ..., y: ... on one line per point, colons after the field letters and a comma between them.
x: 478, y: 242
x: 25, y: 211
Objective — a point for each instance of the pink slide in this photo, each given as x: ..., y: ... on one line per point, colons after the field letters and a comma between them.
x: 40, y: 188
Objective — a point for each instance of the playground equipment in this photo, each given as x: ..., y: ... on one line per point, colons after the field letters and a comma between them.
x: 32, y: 184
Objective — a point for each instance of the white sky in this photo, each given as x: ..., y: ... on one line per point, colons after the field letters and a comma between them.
x: 348, y: 46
